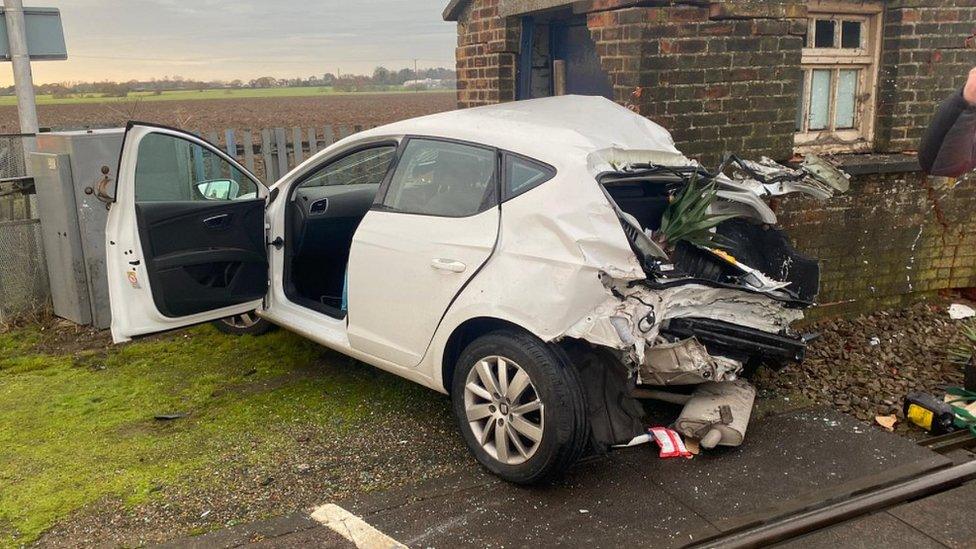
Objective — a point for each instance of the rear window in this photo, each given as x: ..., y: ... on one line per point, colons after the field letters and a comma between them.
x: 522, y: 175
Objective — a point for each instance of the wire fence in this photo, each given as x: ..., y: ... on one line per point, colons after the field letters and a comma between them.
x: 23, y: 272
x: 12, y: 162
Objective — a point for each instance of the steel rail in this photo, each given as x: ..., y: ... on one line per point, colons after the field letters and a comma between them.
x: 814, y: 519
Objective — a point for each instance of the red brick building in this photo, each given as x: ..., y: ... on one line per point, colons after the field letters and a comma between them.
x: 855, y: 79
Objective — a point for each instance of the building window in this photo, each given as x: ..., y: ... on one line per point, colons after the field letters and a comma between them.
x: 835, y: 106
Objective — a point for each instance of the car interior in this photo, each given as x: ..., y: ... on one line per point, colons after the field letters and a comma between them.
x: 645, y: 197
x: 201, y: 225
x: 433, y: 178
x: 323, y: 215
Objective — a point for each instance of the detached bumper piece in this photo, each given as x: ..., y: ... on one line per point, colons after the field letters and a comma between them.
x: 737, y: 342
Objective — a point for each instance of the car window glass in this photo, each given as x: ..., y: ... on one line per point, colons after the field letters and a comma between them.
x: 522, y: 175
x: 442, y: 178
x: 368, y: 166
x: 172, y: 169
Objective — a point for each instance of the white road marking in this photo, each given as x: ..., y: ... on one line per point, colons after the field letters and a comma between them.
x: 353, y: 528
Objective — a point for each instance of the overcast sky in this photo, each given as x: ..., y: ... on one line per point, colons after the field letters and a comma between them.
x: 228, y: 39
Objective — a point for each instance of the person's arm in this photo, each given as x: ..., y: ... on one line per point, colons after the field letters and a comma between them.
x: 949, y: 147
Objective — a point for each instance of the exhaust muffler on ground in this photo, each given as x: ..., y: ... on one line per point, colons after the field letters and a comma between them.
x: 718, y: 413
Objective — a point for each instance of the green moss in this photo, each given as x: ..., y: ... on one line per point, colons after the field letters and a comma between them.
x: 15, y: 342
x: 77, y: 429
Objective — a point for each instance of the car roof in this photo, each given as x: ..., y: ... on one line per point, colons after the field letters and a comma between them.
x: 562, y: 130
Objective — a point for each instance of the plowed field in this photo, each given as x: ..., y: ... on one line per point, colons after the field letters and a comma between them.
x: 240, y: 113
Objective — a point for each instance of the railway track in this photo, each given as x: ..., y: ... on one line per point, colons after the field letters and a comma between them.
x: 829, y: 513
x: 944, y: 444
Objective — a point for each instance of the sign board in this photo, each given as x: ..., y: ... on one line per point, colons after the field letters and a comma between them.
x: 45, y: 35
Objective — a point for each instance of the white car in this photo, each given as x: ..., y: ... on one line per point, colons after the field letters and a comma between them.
x: 502, y: 255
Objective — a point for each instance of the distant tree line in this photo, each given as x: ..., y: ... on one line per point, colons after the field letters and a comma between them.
x: 381, y: 79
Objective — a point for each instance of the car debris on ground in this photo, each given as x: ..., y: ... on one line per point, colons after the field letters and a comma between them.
x: 958, y: 311
x: 888, y: 422
x: 170, y: 416
x: 670, y: 442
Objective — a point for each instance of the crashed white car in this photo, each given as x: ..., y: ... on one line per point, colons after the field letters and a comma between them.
x: 505, y: 255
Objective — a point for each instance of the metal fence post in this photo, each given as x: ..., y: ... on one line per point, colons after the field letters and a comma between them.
x: 23, y: 79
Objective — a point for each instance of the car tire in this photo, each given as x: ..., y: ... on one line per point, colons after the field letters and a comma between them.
x: 538, y: 445
x: 244, y: 324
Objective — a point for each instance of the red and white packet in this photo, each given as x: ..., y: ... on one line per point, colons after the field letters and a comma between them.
x: 670, y: 442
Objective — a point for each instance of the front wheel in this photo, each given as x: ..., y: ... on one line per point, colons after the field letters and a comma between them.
x: 244, y: 324
x: 519, y: 406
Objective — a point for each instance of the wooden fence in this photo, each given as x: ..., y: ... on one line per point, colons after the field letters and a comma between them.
x: 271, y: 153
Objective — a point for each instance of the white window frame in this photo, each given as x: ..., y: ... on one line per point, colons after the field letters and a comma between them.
x: 860, y: 138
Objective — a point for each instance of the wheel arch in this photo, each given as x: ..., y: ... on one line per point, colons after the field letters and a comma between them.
x: 463, y: 335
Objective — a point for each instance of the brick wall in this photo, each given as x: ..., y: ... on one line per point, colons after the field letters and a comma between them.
x: 893, y: 238
x: 486, y: 55
x: 621, y: 42
x: 724, y: 77
x: 720, y: 84
x: 923, y: 60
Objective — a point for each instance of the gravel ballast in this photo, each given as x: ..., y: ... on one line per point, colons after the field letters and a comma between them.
x: 865, y: 366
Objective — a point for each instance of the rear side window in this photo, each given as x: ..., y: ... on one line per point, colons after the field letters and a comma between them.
x: 442, y: 178
x: 522, y: 174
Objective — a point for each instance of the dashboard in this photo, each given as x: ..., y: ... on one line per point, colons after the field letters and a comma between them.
x: 324, y: 215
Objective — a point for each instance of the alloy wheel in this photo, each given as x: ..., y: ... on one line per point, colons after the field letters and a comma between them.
x: 504, y: 410
x: 242, y: 321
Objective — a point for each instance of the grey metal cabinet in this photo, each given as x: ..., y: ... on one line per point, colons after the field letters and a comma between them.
x: 73, y: 221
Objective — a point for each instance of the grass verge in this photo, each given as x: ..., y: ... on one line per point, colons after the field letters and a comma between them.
x: 78, y: 426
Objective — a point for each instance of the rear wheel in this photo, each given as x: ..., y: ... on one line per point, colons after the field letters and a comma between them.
x: 244, y: 324
x: 519, y: 406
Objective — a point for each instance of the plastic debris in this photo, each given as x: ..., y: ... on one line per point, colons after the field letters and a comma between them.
x: 636, y: 441
x: 670, y: 442
x: 170, y: 417
x: 958, y: 311
x: 888, y: 422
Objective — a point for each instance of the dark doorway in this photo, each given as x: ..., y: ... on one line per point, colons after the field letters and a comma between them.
x: 548, y: 39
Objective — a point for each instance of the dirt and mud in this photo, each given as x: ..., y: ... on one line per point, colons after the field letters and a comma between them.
x: 240, y: 113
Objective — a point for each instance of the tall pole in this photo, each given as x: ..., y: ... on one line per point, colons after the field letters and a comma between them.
x: 23, y: 79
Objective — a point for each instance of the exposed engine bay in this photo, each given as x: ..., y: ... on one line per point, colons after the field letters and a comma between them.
x: 710, y: 310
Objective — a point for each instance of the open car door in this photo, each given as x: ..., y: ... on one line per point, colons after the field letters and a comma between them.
x: 185, y: 237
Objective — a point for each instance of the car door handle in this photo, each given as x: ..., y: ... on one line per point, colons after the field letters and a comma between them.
x: 448, y: 265
x: 217, y: 221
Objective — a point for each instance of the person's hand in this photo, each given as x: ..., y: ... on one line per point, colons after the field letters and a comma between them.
x: 969, y: 92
